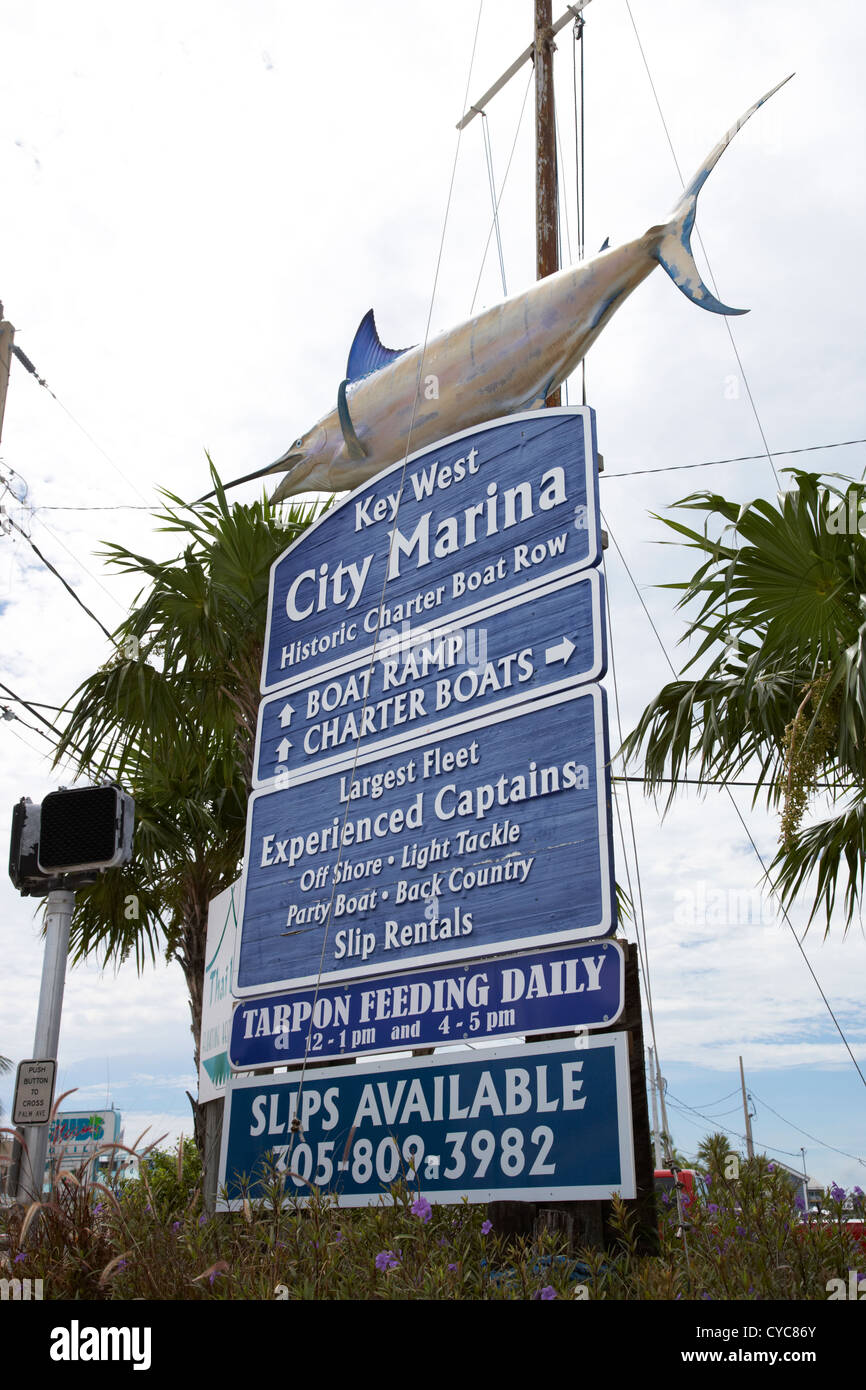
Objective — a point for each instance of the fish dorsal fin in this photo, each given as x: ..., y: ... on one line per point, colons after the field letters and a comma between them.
x: 367, y: 354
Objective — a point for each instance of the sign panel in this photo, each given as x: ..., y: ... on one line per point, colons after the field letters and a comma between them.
x: 34, y: 1091
x: 216, y: 1008
x: 543, y: 1122
x: 458, y: 845
x: 76, y: 1135
x: 511, y: 651
x: 573, y: 987
x: 487, y: 512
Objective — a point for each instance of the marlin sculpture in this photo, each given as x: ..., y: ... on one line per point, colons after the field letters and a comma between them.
x: 505, y: 359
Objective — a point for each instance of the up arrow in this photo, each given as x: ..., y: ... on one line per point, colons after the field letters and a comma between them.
x: 283, y: 751
x: 561, y: 652
x: 286, y: 717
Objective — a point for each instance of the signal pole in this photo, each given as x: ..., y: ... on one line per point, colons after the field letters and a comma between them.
x: 58, y: 917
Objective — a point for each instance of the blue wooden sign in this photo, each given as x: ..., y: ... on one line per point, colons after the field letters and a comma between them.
x: 572, y: 987
x: 491, y: 839
x: 549, y: 1121
x: 490, y: 511
x: 512, y: 651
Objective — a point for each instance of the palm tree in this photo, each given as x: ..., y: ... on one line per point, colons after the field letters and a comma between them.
x: 172, y: 716
x: 714, y: 1155
x: 781, y: 619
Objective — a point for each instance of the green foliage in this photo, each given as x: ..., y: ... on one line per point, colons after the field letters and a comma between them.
x: 172, y: 716
x: 780, y: 626
x: 168, y: 1182
x: 148, y: 1238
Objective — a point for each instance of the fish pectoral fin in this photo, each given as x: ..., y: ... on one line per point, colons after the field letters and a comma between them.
x: 354, y: 447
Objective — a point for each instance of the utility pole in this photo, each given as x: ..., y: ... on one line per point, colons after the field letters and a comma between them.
x: 750, y: 1148
x: 657, y: 1141
x: 546, y: 244
x: 660, y: 1083
x: 7, y: 335
x: 805, y: 1183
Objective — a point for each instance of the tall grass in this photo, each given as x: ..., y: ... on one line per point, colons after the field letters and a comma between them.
x: 150, y: 1238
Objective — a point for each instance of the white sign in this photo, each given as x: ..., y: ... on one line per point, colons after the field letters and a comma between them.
x: 216, y: 1009
x: 34, y: 1092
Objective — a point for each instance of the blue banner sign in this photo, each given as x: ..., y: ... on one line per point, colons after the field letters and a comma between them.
x: 573, y: 987
x: 513, y: 650
x: 491, y: 839
x: 546, y: 1121
x: 487, y: 512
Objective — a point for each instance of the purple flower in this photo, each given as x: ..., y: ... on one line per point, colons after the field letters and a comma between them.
x: 771, y: 1167
x: 837, y: 1193
x: 387, y: 1259
x: 486, y: 1228
x: 666, y: 1199
x: 452, y: 1268
x: 547, y: 1293
x: 175, y: 1226
x: 202, y: 1221
x: 212, y: 1277
x: 711, y: 1206
x: 20, y: 1256
x: 422, y: 1209
x: 708, y: 1179
x: 799, y: 1203
x: 121, y: 1264
x: 338, y: 1237
x: 97, y: 1208
x: 857, y: 1191
x: 741, y: 1231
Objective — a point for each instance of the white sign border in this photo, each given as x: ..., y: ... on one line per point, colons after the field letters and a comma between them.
x: 341, y: 663
x: 600, y: 929
x: 578, y: 1028
x: 396, y: 741
x: 449, y: 1196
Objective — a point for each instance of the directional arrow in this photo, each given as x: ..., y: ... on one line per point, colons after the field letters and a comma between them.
x: 283, y: 750
x: 286, y: 716
x: 561, y: 652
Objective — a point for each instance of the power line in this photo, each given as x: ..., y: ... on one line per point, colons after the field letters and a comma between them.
x: 723, y: 782
x: 28, y: 365
x: 40, y: 703
x: 819, y: 1142
x: 57, y: 573
x: 789, y: 1153
x: 730, y: 333
x: 740, y: 458
x: 81, y: 564
x: 38, y: 751
x: 605, y: 476
x: 708, y: 1104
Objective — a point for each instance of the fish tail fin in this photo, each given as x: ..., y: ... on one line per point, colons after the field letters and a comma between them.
x: 674, y: 250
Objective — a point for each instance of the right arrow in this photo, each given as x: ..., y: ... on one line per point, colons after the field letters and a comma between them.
x: 561, y: 652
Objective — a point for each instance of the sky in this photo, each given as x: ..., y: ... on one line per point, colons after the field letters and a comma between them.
x: 200, y: 204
